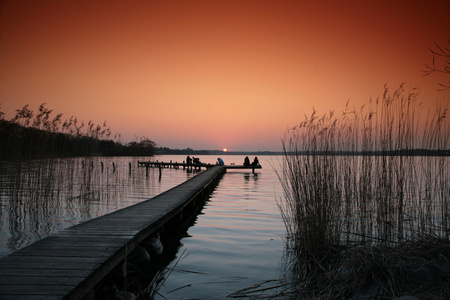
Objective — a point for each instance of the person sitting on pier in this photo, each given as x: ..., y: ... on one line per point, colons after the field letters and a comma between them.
x: 220, y: 162
x: 246, y: 162
x: 189, y: 160
x: 255, y: 162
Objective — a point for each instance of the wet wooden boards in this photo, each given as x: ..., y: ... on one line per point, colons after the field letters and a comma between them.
x: 70, y: 263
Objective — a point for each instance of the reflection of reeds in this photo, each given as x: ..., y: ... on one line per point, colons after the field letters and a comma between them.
x: 41, y: 197
x: 351, y: 178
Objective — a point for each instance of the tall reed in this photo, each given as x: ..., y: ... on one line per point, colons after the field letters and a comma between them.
x: 357, y: 177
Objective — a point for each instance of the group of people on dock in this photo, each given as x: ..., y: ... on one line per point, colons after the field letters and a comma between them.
x: 196, y: 161
x: 254, y: 163
x: 193, y: 161
x: 247, y: 163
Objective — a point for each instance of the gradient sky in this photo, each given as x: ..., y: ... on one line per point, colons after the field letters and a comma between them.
x: 213, y: 74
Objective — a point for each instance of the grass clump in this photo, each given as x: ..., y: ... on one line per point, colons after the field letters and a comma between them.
x: 367, y: 199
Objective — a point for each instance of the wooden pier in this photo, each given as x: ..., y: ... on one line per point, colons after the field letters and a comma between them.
x: 177, y: 165
x: 70, y: 263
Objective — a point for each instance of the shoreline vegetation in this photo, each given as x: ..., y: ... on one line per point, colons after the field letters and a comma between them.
x: 30, y: 135
x: 371, y: 226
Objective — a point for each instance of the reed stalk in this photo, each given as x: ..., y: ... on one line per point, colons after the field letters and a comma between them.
x: 360, y: 178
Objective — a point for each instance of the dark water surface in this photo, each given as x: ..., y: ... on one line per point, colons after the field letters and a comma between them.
x: 236, y: 241
x: 41, y: 197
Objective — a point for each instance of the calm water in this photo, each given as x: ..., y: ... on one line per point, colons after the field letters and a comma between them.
x: 39, y: 198
x: 235, y: 243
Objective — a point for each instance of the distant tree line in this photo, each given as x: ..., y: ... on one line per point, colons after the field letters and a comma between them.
x: 187, y: 151
x: 35, y: 135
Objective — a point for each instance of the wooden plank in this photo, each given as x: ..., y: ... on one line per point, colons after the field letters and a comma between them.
x: 52, y: 292
x: 49, y: 265
x: 13, y: 272
x: 70, y: 263
x: 65, y: 251
x: 28, y: 297
x: 40, y: 280
x: 19, y: 290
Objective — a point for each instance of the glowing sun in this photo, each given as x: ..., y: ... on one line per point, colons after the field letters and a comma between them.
x: 225, y: 149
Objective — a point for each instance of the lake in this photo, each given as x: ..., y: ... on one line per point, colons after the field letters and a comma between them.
x: 236, y: 242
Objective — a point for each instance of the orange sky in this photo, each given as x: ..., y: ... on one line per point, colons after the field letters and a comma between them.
x: 213, y: 74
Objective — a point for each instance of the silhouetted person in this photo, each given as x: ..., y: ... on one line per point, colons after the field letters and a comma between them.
x: 255, y: 162
x: 189, y: 160
x: 220, y: 162
x: 196, y: 160
x: 246, y: 161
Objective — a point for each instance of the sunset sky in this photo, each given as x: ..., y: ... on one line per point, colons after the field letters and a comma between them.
x: 213, y: 74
